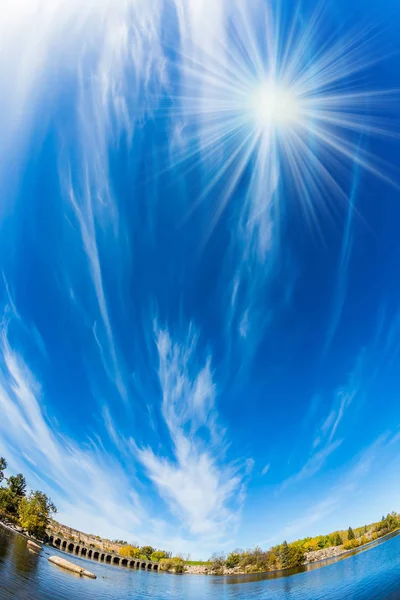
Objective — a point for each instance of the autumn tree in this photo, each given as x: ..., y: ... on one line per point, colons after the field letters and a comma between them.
x: 158, y: 555
x: 130, y: 551
x: 35, y: 512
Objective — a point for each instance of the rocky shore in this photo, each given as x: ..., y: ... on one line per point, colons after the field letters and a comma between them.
x: 309, y: 558
x: 317, y: 555
x: 16, y: 529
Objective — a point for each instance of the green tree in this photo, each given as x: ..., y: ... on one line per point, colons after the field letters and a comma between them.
x: 338, y: 540
x: 17, y: 485
x: 3, y: 467
x: 175, y: 564
x: 232, y: 560
x: 157, y: 555
x: 296, y: 555
x: 147, y: 551
x: 8, y: 503
x: 285, y: 555
x: 350, y: 534
x: 35, y: 512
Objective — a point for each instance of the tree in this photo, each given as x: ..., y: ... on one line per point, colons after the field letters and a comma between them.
x: 233, y: 559
x: 3, y: 467
x: 147, y: 551
x: 130, y: 551
x: 350, y: 534
x: 296, y: 555
x: 272, y: 560
x: 17, y: 485
x: 285, y: 555
x: 35, y: 512
x: 175, y: 564
x: 217, y: 562
x: 8, y: 503
x: 338, y: 540
x: 157, y: 555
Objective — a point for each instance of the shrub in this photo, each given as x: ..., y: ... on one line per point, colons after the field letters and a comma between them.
x: 158, y: 555
x: 232, y: 560
x: 175, y: 564
x: 130, y: 551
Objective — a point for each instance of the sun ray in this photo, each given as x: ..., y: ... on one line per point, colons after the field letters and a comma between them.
x: 281, y: 94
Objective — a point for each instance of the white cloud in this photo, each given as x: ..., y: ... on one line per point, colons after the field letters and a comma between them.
x: 200, y: 489
x: 83, y: 480
x: 265, y: 470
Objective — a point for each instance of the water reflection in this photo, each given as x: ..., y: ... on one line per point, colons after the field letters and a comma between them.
x: 24, y: 561
x: 287, y: 573
x: 366, y: 575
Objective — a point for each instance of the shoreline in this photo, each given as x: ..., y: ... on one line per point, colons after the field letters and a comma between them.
x: 306, y: 566
x: 23, y: 533
x: 199, y: 570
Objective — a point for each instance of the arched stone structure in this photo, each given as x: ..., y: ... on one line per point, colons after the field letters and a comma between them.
x: 80, y: 549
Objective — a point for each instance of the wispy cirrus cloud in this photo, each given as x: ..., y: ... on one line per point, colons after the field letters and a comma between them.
x: 324, y: 443
x: 199, y: 486
x: 84, y: 476
x: 332, y: 504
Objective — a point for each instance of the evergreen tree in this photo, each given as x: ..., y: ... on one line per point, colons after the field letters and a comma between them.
x: 17, y: 485
x: 285, y: 555
x: 3, y: 467
x: 350, y: 534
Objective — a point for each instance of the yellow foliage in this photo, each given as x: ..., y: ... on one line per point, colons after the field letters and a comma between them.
x: 130, y: 551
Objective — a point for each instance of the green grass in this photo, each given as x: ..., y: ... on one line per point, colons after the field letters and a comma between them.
x: 197, y: 563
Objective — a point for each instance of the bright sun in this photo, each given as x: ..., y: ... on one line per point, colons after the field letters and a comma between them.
x: 274, y: 105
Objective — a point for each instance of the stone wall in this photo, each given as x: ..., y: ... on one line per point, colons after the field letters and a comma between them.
x: 88, y: 539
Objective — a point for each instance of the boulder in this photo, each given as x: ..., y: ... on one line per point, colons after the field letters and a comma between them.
x: 34, y: 545
x: 70, y: 566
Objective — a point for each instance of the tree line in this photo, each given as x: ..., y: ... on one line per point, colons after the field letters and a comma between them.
x: 289, y: 555
x: 31, y: 511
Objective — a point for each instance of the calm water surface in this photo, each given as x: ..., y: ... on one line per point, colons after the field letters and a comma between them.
x: 372, y: 574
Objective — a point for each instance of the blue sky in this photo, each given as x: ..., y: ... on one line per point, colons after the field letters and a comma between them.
x: 200, y: 322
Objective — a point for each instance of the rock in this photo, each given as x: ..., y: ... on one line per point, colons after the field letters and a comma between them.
x: 33, y: 545
x: 66, y: 564
x: 323, y: 554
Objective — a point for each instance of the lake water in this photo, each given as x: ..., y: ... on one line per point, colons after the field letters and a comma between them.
x: 368, y: 575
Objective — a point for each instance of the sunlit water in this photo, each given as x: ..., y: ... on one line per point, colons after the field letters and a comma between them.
x: 23, y: 574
